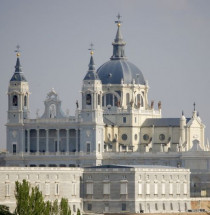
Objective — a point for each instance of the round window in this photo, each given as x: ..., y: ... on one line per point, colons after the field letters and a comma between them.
x: 124, y: 137
x: 146, y: 137
x: 162, y: 137
x: 136, y: 136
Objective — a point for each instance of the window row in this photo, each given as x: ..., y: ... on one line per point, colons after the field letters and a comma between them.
x: 106, y: 188
x: 155, y: 188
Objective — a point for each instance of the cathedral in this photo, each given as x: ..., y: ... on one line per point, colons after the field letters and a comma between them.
x: 116, y: 124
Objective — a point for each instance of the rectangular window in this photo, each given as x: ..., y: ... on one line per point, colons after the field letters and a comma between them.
x: 89, y: 207
x: 148, y: 189
x: 7, y: 190
x: 14, y: 148
x: 99, y: 148
x: 185, y: 188
x: 163, y: 188
x: 171, y: 189
x: 171, y: 206
x: 89, y: 187
x: 124, y: 119
x: 156, y: 189
x: 47, y: 189
x: 74, y: 189
x: 178, y: 188
x: 88, y: 147
x: 74, y: 208
x: 123, y: 188
x: 164, y: 207
x: 140, y: 188
x: 56, y: 189
x: 106, y: 189
x: 140, y: 207
x: 123, y: 206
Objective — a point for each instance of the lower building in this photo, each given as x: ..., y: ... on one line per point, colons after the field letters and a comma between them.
x: 105, y: 189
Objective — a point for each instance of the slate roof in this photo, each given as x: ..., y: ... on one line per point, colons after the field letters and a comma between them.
x: 133, y: 166
x: 18, y: 74
x: 113, y: 71
x: 163, y: 122
x: 107, y: 121
x: 91, y: 74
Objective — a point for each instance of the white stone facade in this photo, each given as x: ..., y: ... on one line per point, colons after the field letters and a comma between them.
x: 104, y: 188
x: 54, y: 183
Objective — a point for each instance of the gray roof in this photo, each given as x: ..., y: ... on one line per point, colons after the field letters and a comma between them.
x: 91, y: 74
x: 107, y: 121
x: 163, y: 122
x: 134, y: 166
x: 18, y: 74
x: 113, y: 71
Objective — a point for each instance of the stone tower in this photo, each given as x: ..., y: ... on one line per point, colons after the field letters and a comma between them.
x: 18, y: 109
x: 92, y: 126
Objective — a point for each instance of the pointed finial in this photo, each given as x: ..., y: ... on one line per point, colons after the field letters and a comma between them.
x: 118, y: 21
x: 17, y: 51
x: 182, y: 113
x: 194, y: 105
x: 91, y: 49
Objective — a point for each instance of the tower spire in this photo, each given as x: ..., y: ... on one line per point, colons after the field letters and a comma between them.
x: 91, y: 74
x: 91, y: 64
x: 118, y: 44
x: 18, y: 74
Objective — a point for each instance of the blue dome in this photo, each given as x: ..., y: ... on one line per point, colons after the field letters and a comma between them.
x: 113, y: 71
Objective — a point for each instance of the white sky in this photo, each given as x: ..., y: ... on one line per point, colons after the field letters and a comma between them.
x: 169, y: 40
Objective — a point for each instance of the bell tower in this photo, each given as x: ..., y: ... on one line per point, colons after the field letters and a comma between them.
x: 18, y: 108
x: 92, y: 126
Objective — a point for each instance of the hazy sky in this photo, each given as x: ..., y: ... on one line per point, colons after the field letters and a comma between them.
x: 169, y: 40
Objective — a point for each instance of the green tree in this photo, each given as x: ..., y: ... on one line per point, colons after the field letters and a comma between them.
x: 28, y: 201
x: 78, y: 212
x: 4, y: 210
x: 64, y: 207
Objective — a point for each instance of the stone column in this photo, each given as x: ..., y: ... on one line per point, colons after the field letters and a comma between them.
x: 37, y: 140
x: 126, y: 148
x: 28, y: 143
x: 58, y: 140
x: 67, y: 141
x: 47, y: 140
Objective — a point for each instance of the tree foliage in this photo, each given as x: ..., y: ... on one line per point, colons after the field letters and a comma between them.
x: 30, y: 201
x: 4, y: 210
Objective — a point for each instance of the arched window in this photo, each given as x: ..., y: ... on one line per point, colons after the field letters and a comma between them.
x: 25, y: 101
x: 15, y: 100
x: 110, y: 99
x: 88, y: 99
x: 127, y: 98
x: 139, y: 101
x: 142, y: 101
x: 99, y: 99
